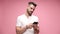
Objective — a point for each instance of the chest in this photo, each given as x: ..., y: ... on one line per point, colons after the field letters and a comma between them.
x: 26, y: 21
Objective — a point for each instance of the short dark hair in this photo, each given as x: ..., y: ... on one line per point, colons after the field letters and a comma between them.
x: 32, y: 3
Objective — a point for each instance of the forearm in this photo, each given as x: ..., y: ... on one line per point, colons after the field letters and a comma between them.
x: 20, y: 30
x: 36, y: 29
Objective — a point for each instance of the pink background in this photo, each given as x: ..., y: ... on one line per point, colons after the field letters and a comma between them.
x: 48, y: 12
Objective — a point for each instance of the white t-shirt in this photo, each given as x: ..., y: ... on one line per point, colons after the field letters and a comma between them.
x: 23, y: 21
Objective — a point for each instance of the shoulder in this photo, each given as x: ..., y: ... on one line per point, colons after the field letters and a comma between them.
x: 34, y: 16
x: 20, y: 16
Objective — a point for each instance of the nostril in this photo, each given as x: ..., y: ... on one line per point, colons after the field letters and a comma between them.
x: 31, y: 8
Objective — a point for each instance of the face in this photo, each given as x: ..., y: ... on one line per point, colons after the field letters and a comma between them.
x: 30, y: 9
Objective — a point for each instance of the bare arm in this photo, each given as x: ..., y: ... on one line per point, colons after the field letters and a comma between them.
x: 20, y: 30
x: 36, y: 29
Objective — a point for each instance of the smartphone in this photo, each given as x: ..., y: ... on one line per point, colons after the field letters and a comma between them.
x: 35, y: 23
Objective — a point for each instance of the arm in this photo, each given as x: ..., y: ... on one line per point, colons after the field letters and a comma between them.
x: 36, y: 26
x: 36, y: 29
x: 20, y: 30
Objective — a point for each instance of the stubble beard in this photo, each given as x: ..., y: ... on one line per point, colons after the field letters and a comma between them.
x: 29, y: 13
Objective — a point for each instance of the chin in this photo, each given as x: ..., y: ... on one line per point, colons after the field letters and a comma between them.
x: 30, y: 14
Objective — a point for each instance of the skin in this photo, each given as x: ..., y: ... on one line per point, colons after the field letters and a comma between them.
x: 21, y: 30
x: 36, y: 29
x: 30, y: 9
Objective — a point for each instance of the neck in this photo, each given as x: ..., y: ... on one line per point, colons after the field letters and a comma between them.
x: 27, y: 14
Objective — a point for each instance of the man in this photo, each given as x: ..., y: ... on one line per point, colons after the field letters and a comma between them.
x: 25, y: 22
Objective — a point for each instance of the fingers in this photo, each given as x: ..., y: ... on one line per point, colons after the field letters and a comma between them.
x: 29, y: 26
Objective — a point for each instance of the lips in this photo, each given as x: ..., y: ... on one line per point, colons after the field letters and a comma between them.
x: 30, y: 12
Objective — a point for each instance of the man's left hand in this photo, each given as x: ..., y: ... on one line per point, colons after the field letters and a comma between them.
x: 36, y: 28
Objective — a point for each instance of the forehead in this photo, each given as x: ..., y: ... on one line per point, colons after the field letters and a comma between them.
x: 32, y: 6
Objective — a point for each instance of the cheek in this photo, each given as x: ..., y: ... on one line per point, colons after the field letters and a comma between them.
x: 29, y: 10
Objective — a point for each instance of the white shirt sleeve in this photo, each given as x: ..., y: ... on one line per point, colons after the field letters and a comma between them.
x: 37, y: 20
x: 18, y: 22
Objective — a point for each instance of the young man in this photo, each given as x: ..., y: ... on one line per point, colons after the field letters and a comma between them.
x: 25, y: 22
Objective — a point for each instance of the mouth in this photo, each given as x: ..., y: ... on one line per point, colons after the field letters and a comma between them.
x: 31, y: 12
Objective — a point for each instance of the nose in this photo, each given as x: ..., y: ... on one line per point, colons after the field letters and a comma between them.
x: 32, y: 10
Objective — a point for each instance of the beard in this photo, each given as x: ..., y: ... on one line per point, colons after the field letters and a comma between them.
x: 29, y: 13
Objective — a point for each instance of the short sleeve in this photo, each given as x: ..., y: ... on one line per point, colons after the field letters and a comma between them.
x: 36, y: 19
x: 18, y: 22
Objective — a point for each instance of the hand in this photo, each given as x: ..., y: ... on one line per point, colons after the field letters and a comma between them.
x: 29, y: 26
x: 36, y: 28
